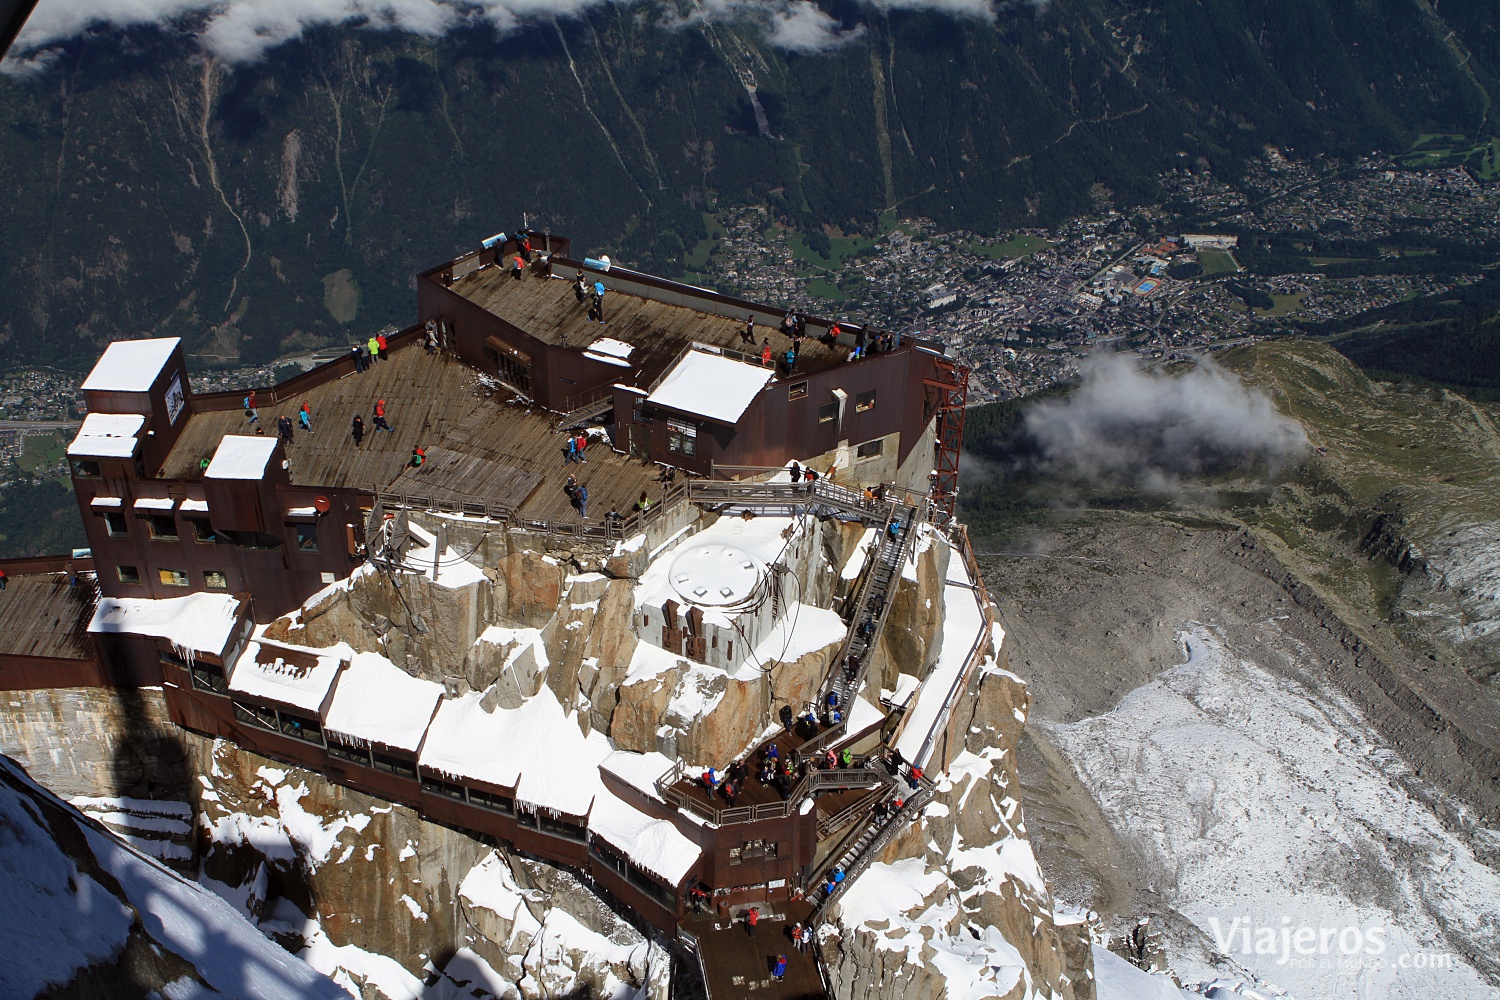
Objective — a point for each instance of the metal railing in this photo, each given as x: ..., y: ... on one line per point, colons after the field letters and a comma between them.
x: 604, y: 529
x: 814, y: 781
x: 864, y: 855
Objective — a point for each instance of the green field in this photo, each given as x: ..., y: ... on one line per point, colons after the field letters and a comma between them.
x: 1023, y: 245
x: 823, y: 289
x: 1438, y: 149
x: 1285, y: 305
x: 43, y: 450
x: 696, y: 259
x: 1329, y: 261
x: 1217, y: 262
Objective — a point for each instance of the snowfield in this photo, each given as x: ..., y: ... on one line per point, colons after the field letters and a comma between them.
x: 1282, y: 827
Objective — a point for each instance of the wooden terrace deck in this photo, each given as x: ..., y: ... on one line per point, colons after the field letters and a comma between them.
x: 479, y: 444
x: 739, y: 964
x: 548, y: 310
x: 40, y: 615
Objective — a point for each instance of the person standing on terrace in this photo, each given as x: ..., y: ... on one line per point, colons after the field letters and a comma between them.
x: 374, y: 346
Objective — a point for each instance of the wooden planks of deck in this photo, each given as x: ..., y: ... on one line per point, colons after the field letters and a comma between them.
x: 547, y: 309
x: 479, y: 444
x: 739, y: 964
x: 40, y: 615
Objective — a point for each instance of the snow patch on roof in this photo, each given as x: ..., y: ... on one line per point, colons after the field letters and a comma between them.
x: 612, y: 347
x: 639, y: 770
x: 802, y: 629
x: 537, y: 750
x: 241, y: 456
x: 760, y: 538
x: 654, y: 844
x: 107, y: 435
x: 288, y: 675
x: 131, y: 365
x: 199, y: 623
x: 710, y: 385
x: 375, y: 700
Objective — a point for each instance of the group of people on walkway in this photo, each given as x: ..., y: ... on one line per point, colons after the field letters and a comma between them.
x: 377, y: 348
x: 574, y: 448
x: 591, y: 293
x: 377, y: 415
x: 578, y: 496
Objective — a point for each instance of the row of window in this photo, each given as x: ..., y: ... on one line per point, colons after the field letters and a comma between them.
x: 863, y: 402
x: 163, y: 528
x: 634, y: 875
x: 212, y: 579
x: 298, y: 727
x: 753, y: 850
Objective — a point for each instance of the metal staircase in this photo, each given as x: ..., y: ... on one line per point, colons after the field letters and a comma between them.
x: 871, y: 607
x: 587, y: 412
x: 859, y: 849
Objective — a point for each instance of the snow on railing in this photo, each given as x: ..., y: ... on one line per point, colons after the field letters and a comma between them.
x: 976, y: 654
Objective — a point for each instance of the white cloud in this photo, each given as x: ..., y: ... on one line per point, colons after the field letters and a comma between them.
x: 240, y: 31
x: 981, y: 9
x: 806, y: 28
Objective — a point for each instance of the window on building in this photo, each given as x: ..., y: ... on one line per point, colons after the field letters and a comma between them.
x: 163, y: 526
x: 870, y: 449
x: 116, y: 524
x: 202, y: 530
x: 828, y: 411
x: 447, y: 789
x: 173, y: 577
x: 307, y: 537
x: 354, y: 755
x: 85, y: 469
x: 128, y: 574
x: 301, y: 728
x: 755, y: 850
x: 510, y: 369
x: 396, y: 765
x: 609, y: 856
x: 561, y: 828
x: 864, y: 401
x: 215, y: 580
x: 638, y: 877
x: 254, y: 540
x: 255, y: 715
x: 489, y: 800
x: 209, y: 677
x: 682, y: 438
x: 797, y: 390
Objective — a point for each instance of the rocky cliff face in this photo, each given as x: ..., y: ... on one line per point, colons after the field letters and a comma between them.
x: 957, y: 900
x: 957, y: 905
x: 378, y: 898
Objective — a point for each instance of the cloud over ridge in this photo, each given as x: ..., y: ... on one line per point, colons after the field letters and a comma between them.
x: 1126, y: 423
x: 241, y: 31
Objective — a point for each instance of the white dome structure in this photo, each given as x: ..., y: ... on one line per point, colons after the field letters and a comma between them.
x: 716, y: 575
